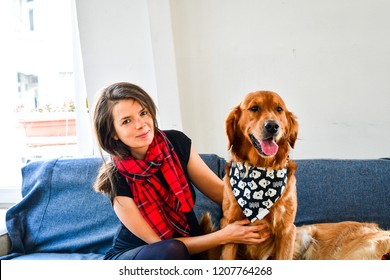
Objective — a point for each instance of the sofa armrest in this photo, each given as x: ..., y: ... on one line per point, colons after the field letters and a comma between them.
x: 5, y: 244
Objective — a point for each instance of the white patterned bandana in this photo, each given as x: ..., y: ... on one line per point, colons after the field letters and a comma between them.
x: 256, y: 189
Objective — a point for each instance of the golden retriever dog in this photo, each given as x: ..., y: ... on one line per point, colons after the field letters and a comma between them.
x: 342, y: 241
x: 260, y: 181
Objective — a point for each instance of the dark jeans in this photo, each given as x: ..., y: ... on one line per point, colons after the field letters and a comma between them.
x: 129, y: 247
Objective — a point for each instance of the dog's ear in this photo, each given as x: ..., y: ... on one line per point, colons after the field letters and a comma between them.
x: 292, y: 134
x: 231, y: 125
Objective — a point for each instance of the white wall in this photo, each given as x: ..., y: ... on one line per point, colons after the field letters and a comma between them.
x: 116, y: 45
x: 330, y: 61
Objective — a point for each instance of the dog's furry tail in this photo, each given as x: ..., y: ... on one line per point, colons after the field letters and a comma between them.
x: 207, y: 226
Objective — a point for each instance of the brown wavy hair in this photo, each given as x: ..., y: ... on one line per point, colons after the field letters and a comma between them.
x: 103, y: 124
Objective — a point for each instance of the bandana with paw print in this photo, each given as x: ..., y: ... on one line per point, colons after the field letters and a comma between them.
x: 256, y: 189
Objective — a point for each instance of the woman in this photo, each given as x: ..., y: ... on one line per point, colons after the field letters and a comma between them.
x: 148, y: 182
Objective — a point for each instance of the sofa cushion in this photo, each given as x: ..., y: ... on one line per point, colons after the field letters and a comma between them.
x: 341, y: 190
x: 204, y: 204
x: 60, y: 212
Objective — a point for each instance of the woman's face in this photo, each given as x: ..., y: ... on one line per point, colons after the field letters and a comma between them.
x: 133, y: 126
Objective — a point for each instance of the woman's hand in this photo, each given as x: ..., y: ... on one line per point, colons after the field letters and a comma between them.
x: 241, y: 232
x: 237, y: 232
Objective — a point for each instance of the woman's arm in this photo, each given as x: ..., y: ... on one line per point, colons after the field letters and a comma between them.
x: 128, y: 213
x: 204, y: 178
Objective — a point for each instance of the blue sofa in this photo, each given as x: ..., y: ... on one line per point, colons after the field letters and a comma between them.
x: 61, y: 217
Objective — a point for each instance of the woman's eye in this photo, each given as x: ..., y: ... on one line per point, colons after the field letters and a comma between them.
x: 143, y: 113
x: 279, y: 109
x: 255, y: 108
x: 126, y: 121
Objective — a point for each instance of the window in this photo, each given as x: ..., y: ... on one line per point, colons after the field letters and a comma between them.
x: 39, y: 104
x: 24, y: 15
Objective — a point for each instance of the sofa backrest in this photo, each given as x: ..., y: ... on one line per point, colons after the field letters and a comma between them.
x: 204, y: 204
x: 340, y: 190
x: 60, y: 212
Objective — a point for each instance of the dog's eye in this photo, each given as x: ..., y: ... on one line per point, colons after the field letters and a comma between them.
x: 279, y: 109
x: 255, y: 108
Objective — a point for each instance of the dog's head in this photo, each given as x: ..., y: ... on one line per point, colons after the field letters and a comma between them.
x: 261, y: 126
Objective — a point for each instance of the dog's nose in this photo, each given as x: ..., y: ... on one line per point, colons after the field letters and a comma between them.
x: 271, y: 126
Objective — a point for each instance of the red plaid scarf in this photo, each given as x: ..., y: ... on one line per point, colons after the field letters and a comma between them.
x: 162, y: 208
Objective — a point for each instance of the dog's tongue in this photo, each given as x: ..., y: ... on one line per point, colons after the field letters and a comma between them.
x: 269, y: 147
